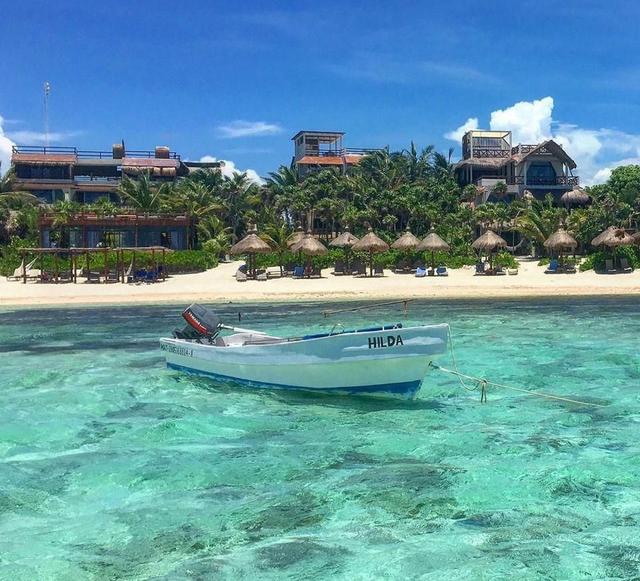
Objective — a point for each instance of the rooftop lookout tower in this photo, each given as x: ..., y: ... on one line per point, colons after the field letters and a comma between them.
x: 315, y: 150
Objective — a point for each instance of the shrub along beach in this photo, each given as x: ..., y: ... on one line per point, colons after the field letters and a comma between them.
x: 400, y: 197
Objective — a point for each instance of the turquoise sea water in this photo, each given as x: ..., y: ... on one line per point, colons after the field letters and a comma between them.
x: 113, y: 467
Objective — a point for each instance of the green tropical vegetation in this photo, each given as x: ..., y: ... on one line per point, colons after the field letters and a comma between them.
x: 388, y: 191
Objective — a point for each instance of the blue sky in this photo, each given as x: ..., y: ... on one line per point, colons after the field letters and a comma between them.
x: 235, y: 80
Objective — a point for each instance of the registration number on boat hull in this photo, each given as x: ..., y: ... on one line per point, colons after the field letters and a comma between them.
x: 177, y: 349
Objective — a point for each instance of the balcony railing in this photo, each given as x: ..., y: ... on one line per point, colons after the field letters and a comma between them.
x: 96, y: 180
x: 85, y: 153
x: 532, y: 181
x: 489, y: 152
x: 328, y: 152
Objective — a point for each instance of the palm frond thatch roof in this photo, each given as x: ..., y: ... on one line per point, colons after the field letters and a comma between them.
x: 560, y: 240
x: 575, y: 197
x: 370, y: 243
x: 613, y: 237
x: 433, y: 243
x: 309, y: 246
x: 296, y: 237
x: 250, y: 244
x: 406, y: 242
x: 489, y: 241
x: 344, y: 240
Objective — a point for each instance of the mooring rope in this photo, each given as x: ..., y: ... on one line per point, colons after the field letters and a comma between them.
x: 481, y: 383
x: 362, y: 307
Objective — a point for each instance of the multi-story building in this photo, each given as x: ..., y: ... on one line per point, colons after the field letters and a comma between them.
x: 66, y: 173
x: 316, y: 150
x: 488, y: 158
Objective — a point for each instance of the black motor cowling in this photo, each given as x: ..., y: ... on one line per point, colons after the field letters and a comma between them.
x: 203, y: 323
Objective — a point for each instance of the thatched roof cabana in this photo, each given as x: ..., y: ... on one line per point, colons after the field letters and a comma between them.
x: 296, y: 237
x: 406, y: 242
x: 433, y: 243
x: 370, y: 243
x: 250, y: 244
x: 575, y: 197
x: 344, y: 240
x: 613, y: 237
x: 489, y: 242
x: 310, y: 246
x: 560, y: 240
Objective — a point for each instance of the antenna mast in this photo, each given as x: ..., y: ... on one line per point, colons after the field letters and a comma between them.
x: 47, y: 90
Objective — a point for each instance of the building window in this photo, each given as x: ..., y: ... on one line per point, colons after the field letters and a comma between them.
x: 541, y: 173
x: 49, y: 196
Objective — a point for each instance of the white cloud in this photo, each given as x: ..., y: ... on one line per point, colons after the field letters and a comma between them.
x: 5, y: 149
x: 229, y: 169
x: 457, y: 134
x: 595, y: 151
x: 36, y: 137
x: 240, y: 128
x: 529, y: 121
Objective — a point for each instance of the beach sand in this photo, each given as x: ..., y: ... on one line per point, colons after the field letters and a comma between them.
x: 219, y: 285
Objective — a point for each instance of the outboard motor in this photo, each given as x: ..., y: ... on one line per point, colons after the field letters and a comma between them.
x: 203, y: 324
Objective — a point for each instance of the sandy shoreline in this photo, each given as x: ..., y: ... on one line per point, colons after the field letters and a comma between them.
x: 219, y: 285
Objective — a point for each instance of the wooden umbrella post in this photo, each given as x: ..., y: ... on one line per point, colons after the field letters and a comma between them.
x: 104, y: 269
x: 56, y: 270
x: 24, y: 267
x: 74, y: 267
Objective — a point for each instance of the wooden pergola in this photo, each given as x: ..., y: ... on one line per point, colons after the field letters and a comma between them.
x: 158, y: 255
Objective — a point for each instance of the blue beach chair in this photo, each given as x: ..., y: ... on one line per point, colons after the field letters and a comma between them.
x: 421, y: 272
x: 298, y: 272
x: 442, y: 271
x: 553, y: 267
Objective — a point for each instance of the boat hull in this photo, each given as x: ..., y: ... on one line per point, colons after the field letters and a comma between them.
x: 380, y: 363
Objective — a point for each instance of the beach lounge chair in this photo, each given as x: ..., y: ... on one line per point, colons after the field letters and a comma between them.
x: 18, y: 273
x: 241, y: 276
x: 624, y: 265
x: 512, y: 271
x: 421, y: 272
x: 480, y: 268
x: 500, y: 271
x: 262, y: 276
x: 315, y: 272
x: 553, y: 267
x: 608, y: 267
x: 378, y: 271
x: 338, y: 268
x: 442, y: 271
x: 288, y: 269
x: 570, y: 269
x: 298, y: 272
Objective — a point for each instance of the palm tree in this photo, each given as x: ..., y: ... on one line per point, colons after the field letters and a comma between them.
x: 240, y: 197
x: 276, y: 236
x: 143, y: 194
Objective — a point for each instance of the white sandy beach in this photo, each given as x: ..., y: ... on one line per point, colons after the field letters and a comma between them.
x: 219, y: 285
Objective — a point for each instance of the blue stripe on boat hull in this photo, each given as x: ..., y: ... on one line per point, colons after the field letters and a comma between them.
x: 406, y: 389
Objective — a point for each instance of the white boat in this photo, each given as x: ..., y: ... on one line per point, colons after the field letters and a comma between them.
x: 389, y: 361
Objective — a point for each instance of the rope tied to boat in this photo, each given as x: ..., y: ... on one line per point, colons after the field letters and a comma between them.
x: 482, y: 384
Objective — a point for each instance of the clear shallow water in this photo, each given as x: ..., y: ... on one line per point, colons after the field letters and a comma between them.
x: 112, y: 466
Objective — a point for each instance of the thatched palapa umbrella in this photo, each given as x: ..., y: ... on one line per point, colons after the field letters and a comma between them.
x: 433, y: 243
x: 613, y: 237
x: 345, y: 241
x: 296, y: 237
x: 575, y: 197
x: 489, y: 242
x: 309, y: 246
x: 560, y: 241
x: 370, y: 243
x: 250, y: 245
x: 406, y: 242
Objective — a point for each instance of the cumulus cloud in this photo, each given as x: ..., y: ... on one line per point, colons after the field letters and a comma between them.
x: 457, y: 134
x: 595, y: 151
x: 529, y: 121
x: 240, y: 128
x: 5, y: 149
x: 229, y: 169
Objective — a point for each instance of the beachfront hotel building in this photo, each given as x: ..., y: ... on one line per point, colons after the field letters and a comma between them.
x: 488, y: 157
x: 66, y: 173
x: 317, y: 150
